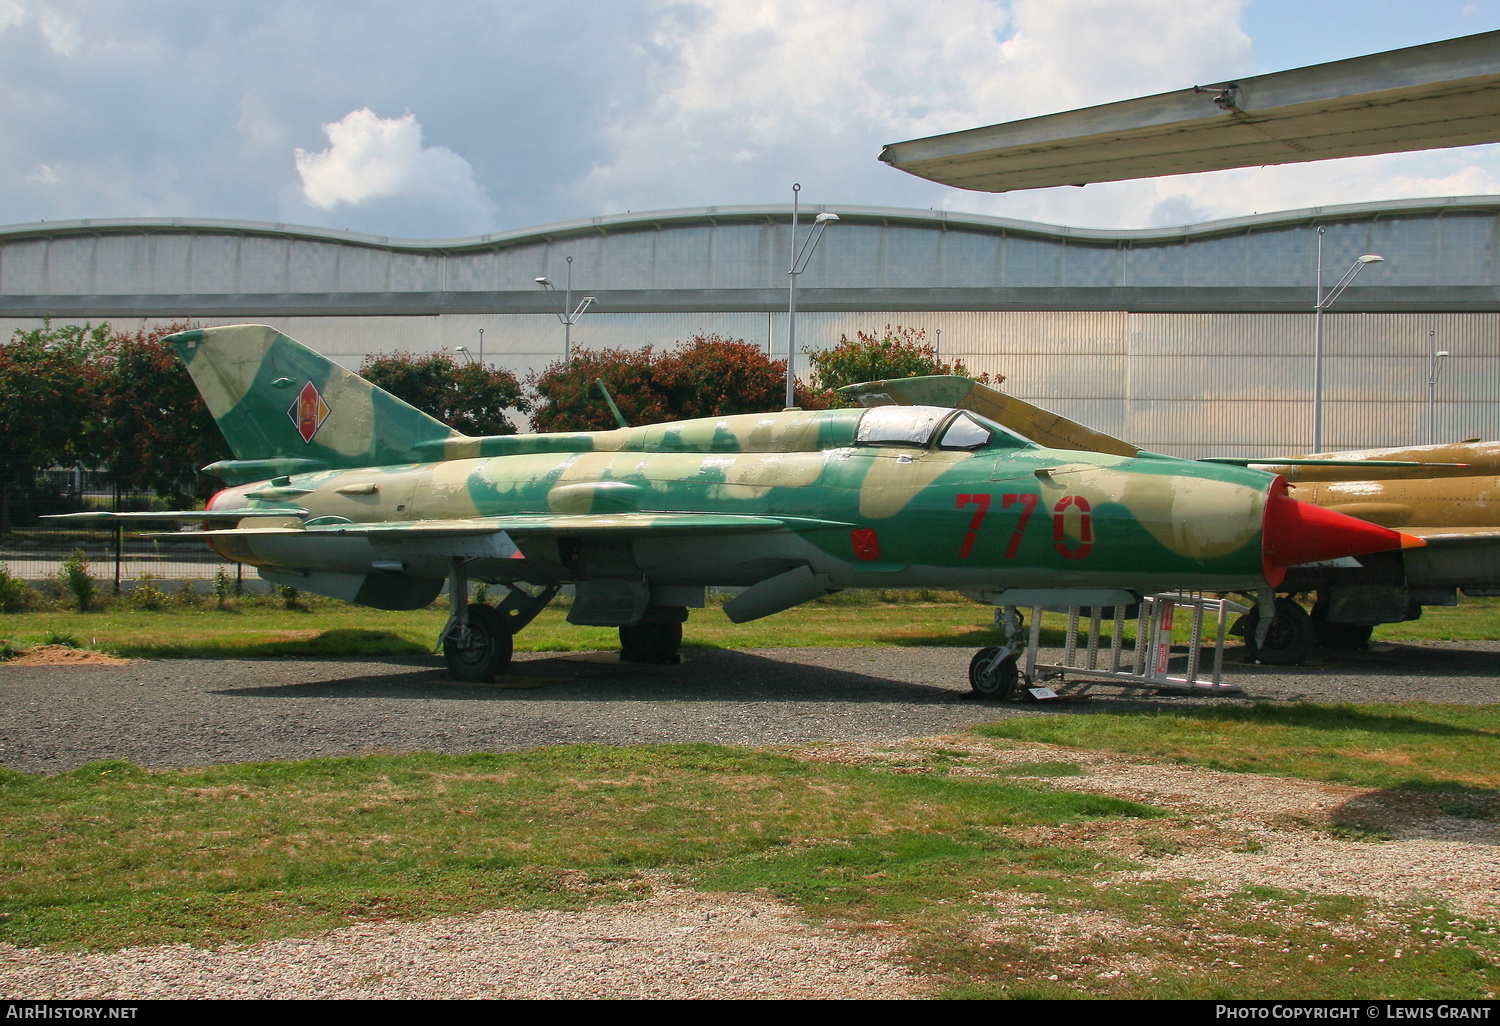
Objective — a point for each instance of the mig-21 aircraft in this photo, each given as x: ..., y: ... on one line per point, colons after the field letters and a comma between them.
x: 341, y: 489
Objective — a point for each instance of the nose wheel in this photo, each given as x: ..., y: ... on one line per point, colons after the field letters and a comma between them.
x: 993, y: 674
x: 992, y: 671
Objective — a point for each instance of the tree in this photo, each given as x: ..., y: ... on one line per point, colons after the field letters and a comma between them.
x: 48, y: 404
x: 711, y: 376
x: 898, y: 352
x: 704, y: 376
x: 155, y: 431
x: 569, y: 399
x: 467, y: 396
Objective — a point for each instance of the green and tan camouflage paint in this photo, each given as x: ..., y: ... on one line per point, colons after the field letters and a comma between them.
x: 735, y: 497
x: 1451, y: 488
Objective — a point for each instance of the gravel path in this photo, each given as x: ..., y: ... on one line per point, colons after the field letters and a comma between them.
x: 200, y: 712
x: 873, y: 703
x: 676, y: 944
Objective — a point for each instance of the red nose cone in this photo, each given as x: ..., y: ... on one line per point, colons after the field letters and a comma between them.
x: 1298, y: 532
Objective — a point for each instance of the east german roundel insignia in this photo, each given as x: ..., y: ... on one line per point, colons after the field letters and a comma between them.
x: 308, y: 411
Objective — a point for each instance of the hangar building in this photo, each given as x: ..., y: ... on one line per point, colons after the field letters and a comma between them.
x: 1194, y: 340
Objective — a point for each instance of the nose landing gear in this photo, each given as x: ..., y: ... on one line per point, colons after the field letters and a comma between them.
x: 992, y: 671
x: 992, y: 675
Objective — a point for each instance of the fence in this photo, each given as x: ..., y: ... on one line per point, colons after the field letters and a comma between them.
x: 33, y: 548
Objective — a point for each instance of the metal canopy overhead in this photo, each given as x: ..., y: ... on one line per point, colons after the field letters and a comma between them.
x: 1422, y: 97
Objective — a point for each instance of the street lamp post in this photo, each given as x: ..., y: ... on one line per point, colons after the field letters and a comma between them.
x: 1324, y: 301
x: 800, y: 257
x: 570, y: 314
x: 1434, y: 368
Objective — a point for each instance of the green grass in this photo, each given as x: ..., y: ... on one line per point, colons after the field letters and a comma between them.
x: 1256, y: 943
x: 324, y: 627
x: 1473, y: 619
x: 998, y: 887
x: 108, y: 855
x: 1415, y: 744
x: 327, y: 627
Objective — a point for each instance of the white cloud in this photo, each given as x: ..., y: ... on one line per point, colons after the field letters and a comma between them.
x: 60, y: 31
x: 1069, y: 53
x: 371, y: 157
x: 11, y: 13
x: 666, y: 103
x: 754, y: 93
x: 44, y: 174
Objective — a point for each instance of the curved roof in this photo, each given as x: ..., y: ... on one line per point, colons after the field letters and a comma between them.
x: 655, y: 220
x: 1439, y: 255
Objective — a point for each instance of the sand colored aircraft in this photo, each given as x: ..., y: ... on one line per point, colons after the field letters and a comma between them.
x: 1448, y: 495
x: 339, y: 488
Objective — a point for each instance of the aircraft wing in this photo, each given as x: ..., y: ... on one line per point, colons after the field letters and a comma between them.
x: 528, y: 524
x: 1447, y: 537
x: 184, y: 514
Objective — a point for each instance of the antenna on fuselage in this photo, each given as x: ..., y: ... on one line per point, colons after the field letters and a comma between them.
x: 619, y: 417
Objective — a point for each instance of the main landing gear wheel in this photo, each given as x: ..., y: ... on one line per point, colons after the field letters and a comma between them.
x: 1289, y: 639
x: 651, y: 643
x: 1353, y: 636
x: 478, y: 651
x: 990, y: 680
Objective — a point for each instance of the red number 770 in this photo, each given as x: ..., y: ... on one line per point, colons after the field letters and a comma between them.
x: 1027, y: 502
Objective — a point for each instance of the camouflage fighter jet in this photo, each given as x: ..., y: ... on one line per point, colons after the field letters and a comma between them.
x: 1448, y: 495
x: 339, y: 488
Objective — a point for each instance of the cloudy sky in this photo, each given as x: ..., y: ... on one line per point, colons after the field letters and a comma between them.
x: 461, y: 117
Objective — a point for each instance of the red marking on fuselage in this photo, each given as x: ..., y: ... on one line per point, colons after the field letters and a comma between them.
x: 982, y: 502
x: 1027, y: 501
x: 1085, y: 526
x: 866, y: 545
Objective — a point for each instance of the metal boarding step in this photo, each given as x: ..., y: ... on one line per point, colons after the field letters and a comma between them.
x: 1149, y: 663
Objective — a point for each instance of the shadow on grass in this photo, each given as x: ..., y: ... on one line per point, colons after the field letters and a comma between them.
x: 978, y: 637
x: 1313, y: 716
x: 1423, y: 809
x: 343, y: 642
x: 706, y: 675
x: 1420, y: 751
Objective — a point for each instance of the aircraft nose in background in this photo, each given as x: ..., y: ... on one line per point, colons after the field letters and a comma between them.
x: 1295, y: 532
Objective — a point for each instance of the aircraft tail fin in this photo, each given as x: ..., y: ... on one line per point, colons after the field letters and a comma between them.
x: 285, y: 409
x: 1052, y: 430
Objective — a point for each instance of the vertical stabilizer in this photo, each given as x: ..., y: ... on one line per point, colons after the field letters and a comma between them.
x: 284, y: 407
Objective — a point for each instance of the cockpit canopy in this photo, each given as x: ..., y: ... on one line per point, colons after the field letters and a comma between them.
x: 920, y: 426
